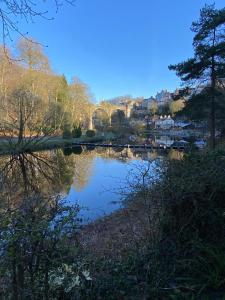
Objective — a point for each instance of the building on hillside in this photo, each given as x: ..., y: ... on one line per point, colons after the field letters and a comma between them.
x: 163, y: 97
x: 164, y: 122
x: 147, y: 103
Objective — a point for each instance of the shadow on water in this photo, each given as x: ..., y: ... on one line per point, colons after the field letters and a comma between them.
x: 67, y: 151
x: 77, y: 150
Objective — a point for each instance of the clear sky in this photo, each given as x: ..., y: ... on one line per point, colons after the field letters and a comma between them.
x: 119, y: 47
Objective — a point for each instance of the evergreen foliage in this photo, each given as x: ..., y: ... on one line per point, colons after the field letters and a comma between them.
x: 90, y: 133
x: 76, y: 132
x: 207, y: 67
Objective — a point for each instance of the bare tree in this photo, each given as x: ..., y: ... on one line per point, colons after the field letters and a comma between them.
x: 12, y: 11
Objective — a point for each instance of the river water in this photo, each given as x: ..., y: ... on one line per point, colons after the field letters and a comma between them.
x: 95, y: 179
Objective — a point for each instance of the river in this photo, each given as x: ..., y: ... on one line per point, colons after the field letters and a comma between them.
x: 95, y: 179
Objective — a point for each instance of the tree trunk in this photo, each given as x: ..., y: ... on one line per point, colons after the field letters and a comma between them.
x: 21, y: 124
x: 213, y: 90
x: 212, y: 120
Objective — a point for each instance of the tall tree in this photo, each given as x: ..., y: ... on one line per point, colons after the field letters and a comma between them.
x: 207, y: 66
x: 81, y: 105
x: 32, y: 56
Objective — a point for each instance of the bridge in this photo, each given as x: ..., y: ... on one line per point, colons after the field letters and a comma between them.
x: 109, y: 110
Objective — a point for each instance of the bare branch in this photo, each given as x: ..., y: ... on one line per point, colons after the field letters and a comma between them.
x: 13, y: 10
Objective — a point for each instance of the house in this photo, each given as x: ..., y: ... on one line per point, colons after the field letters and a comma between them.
x: 165, y: 122
x: 146, y: 104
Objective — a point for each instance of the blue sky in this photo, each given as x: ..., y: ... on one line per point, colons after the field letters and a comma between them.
x: 119, y: 47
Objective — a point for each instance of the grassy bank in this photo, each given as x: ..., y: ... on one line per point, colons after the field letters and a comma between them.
x: 168, y: 241
x: 8, y: 146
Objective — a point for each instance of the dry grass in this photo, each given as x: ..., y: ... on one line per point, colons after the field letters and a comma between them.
x: 117, y: 233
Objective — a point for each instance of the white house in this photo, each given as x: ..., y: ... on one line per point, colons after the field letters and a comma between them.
x: 164, y: 122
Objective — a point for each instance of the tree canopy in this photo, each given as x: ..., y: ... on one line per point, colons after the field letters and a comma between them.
x: 34, y: 101
x: 207, y: 67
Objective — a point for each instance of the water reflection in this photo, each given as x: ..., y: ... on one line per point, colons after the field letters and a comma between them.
x: 82, y: 173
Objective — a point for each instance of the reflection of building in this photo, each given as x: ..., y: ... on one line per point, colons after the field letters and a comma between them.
x: 164, y: 122
x: 164, y: 140
x: 183, y: 125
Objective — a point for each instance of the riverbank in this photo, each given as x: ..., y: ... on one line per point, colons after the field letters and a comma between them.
x: 168, y: 241
x: 10, y: 145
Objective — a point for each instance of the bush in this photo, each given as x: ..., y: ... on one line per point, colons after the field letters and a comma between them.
x: 90, y: 133
x: 40, y: 244
x: 47, y: 130
x: 76, y: 132
x: 67, y: 134
x: 184, y: 255
x: 194, y: 193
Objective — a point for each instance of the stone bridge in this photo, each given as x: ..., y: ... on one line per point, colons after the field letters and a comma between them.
x: 109, y: 109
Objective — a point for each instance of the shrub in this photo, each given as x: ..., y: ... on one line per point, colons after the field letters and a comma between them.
x: 39, y: 248
x: 67, y: 134
x: 194, y: 192
x: 47, y: 130
x: 90, y: 133
x: 76, y: 132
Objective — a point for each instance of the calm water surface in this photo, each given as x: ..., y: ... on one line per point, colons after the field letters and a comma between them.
x: 109, y: 180
x: 95, y: 179
x: 110, y: 176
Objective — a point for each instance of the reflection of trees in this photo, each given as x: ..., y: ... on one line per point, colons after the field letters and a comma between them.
x: 27, y: 174
x: 24, y: 175
x: 83, y: 169
x: 52, y: 173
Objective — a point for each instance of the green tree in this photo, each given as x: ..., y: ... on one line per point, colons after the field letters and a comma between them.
x: 164, y: 109
x: 67, y: 125
x: 59, y: 106
x: 208, y: 64
x: 76, y: 132
x: 62, y: 90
